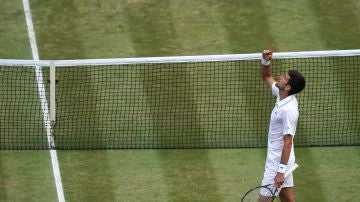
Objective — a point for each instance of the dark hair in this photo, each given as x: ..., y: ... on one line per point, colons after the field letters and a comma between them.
x: 296, y: 81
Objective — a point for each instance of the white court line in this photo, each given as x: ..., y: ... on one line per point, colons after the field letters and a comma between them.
x: 44, y: 103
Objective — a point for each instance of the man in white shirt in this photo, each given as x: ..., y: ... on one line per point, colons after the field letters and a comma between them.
x: 280, y: 151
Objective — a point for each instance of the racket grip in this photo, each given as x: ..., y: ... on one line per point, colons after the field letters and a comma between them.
x: 288, y: 172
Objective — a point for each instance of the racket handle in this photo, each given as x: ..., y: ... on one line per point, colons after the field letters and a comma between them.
x: 288, y: 172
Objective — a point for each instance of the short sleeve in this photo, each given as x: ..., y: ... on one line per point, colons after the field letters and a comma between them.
x: 289, y: 119
x: 275, y: 89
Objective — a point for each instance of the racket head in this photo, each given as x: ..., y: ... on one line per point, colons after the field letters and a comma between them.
x: 261, y: 193
x: 268, y: 192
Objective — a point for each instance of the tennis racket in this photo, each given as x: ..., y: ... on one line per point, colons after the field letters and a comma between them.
x: 266, y: 193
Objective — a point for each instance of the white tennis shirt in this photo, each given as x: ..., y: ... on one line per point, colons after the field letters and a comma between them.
x: 283, y: 121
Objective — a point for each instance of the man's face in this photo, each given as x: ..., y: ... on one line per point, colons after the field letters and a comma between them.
x: 282, y: 81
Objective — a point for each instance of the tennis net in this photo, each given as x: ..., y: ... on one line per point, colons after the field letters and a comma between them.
x: 215, y: 101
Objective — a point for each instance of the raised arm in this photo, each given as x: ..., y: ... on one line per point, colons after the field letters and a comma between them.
x: 266, y: 67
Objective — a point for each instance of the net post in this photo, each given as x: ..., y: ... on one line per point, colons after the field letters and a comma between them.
x: 52, y: 93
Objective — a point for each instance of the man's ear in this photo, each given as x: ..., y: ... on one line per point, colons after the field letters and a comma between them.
x: 288, y: 88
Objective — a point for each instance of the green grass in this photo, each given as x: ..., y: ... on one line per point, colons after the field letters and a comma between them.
x: 203, y: 175
x: 26, y: 176
x: 328, y: 174
x: 92, y: 29
x: 14, y: 40
x: 325, y: 174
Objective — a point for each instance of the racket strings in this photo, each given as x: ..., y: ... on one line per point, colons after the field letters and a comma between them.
x: 262, y: 194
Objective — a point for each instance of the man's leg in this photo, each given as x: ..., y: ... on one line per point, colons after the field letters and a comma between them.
x: 287, y: 194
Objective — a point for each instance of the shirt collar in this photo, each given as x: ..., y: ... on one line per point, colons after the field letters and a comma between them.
x: 284, y: 101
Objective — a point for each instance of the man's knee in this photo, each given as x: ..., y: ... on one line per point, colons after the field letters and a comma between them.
x: 287, y: 194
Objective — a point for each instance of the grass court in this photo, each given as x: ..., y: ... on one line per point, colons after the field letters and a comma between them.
x: 82, y: 29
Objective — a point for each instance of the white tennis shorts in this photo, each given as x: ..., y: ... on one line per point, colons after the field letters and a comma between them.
x: 269, y: 176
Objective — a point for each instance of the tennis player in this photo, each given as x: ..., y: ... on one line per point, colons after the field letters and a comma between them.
x: 284, y: 117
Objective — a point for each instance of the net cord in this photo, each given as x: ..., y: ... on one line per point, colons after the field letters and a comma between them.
x: 176, y: 59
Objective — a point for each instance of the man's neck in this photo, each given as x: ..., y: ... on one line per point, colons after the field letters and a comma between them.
x: 283, y: 94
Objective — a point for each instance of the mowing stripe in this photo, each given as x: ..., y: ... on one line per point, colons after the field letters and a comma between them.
x: 43, y: 101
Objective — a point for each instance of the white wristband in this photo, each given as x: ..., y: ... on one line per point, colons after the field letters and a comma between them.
x: 265, y: 62
x: 281, y: 168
